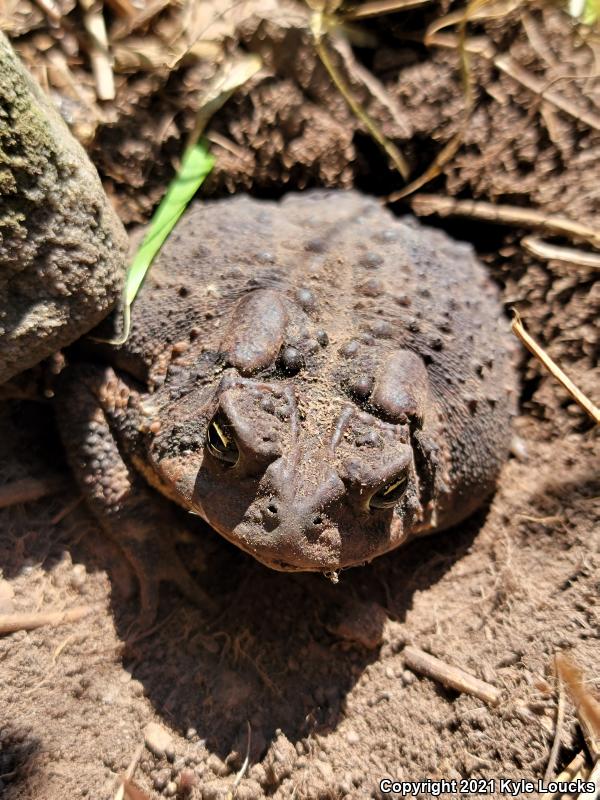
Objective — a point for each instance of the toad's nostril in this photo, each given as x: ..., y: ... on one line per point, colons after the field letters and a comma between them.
x: 272, y: 509
x: 318, y: 520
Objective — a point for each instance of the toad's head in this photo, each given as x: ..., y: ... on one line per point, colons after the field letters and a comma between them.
x: 305, y: 464
x: 297, y: 491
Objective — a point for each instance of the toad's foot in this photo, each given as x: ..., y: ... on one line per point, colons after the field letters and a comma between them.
x: 147, y: 540
x: 140, y: 521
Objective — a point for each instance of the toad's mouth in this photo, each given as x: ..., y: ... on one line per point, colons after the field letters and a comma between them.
x: 287, y: 549
x: 283, y: 555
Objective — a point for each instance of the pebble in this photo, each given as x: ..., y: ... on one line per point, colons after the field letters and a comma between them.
x: 161, y: 779
x: 519, y: 449
x: 186, y: 782
x: 408, y: 677
x: 157, y: 739
x: 352, y: 737
x: 78, y: 576
x: 171, y: 789
x: 249, y: 790
x: 216, y: 765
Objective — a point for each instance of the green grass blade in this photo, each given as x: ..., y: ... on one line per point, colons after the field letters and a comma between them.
x: 195, y: 166
x: 585, y: 11
x: 591, y: 12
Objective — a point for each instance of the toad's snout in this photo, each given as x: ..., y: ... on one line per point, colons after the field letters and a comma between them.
x: 294, y: 520
x: 301, y: 508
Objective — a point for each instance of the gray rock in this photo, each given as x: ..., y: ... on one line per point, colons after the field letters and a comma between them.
x: 62, y: 248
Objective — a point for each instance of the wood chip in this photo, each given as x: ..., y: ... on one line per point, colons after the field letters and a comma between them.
x: 448, y: 675
x: 51, y: 10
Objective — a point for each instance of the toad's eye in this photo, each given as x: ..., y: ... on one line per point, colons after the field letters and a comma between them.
x: 388, y: 496
x: 220, y: 442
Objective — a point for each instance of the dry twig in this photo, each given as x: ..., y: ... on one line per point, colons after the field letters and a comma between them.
x: 29, y: 621
x: 376, y: 8
x: 449, y: 675
x: 318, y: 29
x: 552, y: 252
x: 27, y: 490
x: 126, y: 788
x: 510, y: 67
x: 593, y: 777
x: 553, y: 368
x: 426, y: 204
x: 133, y: 792
x: 574, y: 769
x: 560, y: 718
x: 95, y: 26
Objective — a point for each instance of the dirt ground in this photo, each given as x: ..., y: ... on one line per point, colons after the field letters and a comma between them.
x: 314, y: 673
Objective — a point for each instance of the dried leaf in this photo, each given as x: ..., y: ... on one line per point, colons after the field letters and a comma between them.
x: 586, y: 705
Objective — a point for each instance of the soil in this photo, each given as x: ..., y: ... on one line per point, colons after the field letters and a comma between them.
x: 313, y: 673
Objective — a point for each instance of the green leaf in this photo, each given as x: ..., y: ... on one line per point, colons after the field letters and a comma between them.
x: 196, y: 164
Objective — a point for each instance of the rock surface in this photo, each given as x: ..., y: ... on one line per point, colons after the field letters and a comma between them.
x: 62, y: 247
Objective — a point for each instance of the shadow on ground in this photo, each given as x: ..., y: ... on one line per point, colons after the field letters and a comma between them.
x: 18, y: 755
x: 272, y: 654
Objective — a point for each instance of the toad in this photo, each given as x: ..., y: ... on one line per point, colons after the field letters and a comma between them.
x: 316, y: 378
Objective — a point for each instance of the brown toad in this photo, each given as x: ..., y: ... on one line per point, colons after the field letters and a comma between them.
x: 317, y: 379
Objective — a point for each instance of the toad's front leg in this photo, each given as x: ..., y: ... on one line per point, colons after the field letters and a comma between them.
x: 93, y: 410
